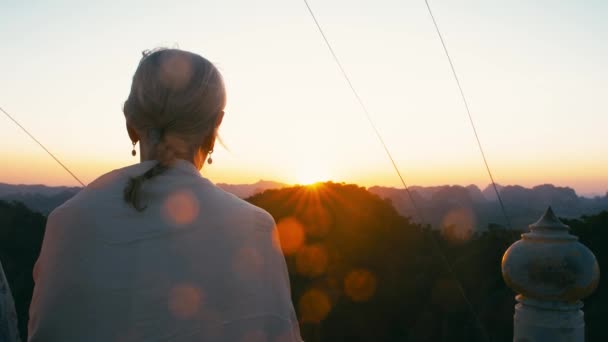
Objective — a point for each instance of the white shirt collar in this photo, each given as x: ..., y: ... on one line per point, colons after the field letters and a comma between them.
x: 180, y: 164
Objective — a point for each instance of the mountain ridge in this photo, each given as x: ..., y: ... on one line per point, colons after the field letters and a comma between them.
x: 522, y: 205
x: 435, y: 203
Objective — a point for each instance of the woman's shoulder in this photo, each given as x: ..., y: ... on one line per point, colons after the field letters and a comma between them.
x: 118, y: 177
x: 174, y: 188
x: 109, y: 182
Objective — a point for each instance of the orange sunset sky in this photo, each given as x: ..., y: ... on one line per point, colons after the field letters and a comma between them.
x: 534, y: 74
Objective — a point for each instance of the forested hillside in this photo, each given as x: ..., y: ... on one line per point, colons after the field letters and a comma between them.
x: 361, y: 272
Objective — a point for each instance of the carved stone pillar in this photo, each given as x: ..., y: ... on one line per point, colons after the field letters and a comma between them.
x: 552, y: 272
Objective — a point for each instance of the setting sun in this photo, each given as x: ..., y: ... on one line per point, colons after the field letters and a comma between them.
x: 311, y: 175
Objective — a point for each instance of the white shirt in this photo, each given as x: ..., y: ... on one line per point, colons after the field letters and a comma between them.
x: 198, y: 264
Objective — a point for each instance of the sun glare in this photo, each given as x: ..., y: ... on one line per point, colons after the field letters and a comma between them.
x: 308, y: 176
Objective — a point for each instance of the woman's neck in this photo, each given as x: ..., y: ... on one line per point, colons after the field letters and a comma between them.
x: 147, y: 152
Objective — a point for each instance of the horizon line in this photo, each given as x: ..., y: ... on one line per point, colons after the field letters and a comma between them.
x: 286, y: 184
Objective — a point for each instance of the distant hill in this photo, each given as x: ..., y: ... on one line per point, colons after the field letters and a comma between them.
x: 23, y: 189
x: 44, y: 199
x: 465, y: 206
x: 40, y: 198
x: 490, y: 194
x: 481, y: 208
x: 248, y: 190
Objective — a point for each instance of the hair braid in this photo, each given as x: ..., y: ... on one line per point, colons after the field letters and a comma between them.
x: 133, y: 189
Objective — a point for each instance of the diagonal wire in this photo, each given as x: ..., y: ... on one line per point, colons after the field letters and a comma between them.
x: 466, y: 105
x: 41, y: 145
x: 417, y: 210
x: 367, y: 114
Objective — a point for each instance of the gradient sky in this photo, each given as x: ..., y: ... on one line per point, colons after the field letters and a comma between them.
x: 535, y: 74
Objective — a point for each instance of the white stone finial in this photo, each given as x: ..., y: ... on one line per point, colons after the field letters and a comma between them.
x: 549, y: 221
x: 552, y: 272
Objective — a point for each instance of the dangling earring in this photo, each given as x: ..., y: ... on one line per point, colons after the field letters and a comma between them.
x: 133, y: 152
x: 210, y: 160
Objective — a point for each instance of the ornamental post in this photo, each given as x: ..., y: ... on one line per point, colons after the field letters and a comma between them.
x: 551, y: 272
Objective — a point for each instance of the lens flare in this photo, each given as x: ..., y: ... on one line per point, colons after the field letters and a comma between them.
x: 317, y: 219
x: 311, y: 260
x: 314, y: 306
x: 289, y: 235
x: 185, y: 301
x: 360, y: 285
x: 457, y: 225
x: 181, y: 207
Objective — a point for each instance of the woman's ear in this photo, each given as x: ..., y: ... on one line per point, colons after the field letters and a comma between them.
x: 132, y: 133
x: 218, y: 120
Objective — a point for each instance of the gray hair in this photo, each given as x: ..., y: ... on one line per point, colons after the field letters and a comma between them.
x: 175, y: 99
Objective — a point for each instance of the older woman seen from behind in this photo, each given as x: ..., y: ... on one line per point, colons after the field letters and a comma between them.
x: 154, y: 251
